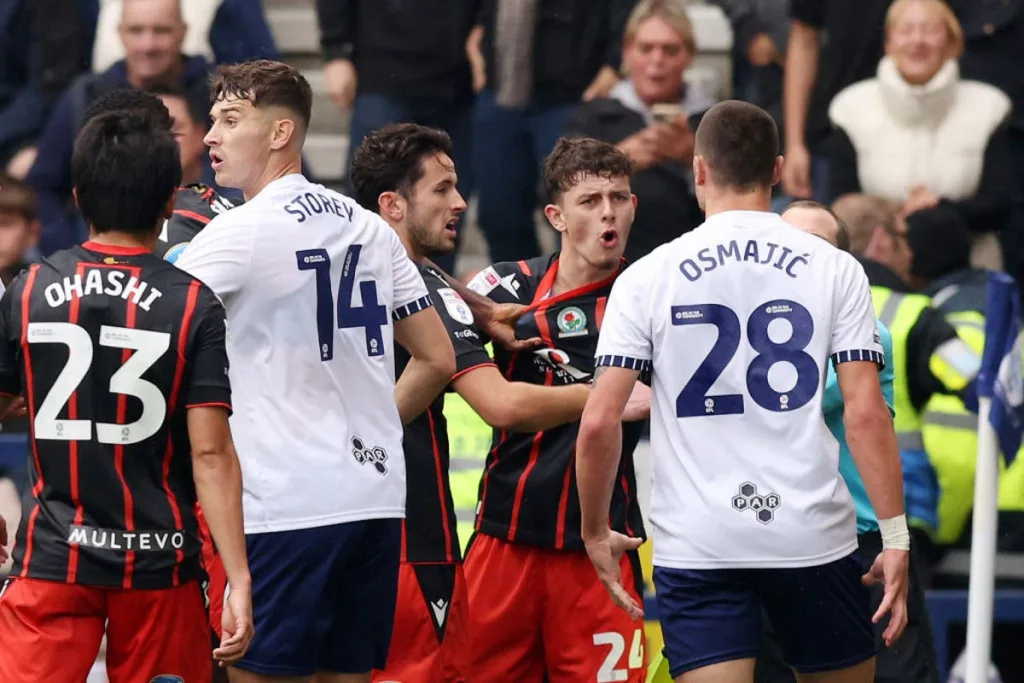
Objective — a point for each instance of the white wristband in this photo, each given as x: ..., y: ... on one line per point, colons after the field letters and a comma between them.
x: 895, y: 534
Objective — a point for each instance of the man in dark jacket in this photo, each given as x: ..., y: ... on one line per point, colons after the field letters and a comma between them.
x: 22, y: 106
x: 153, y: 33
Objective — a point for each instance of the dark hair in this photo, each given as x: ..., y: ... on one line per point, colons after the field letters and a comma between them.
x: 390, y: 159
x: 739, y: 142
x: 17, y: 197
x: 265, y: 83
x: 124, y: 99
x: 842, y: 229
x: 574, y: 158
x: 198, y: 108
x: 124, y: 171
x: 940, y: 240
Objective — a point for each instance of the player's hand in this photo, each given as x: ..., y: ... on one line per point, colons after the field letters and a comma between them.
x: 605, y: 553
x: 3, y: 539
x: 237, y: 626
x: 501, y: 327
x: 340, y: 80
x: 891, y: 568
x: 638, y: 407
x: 796, y: 172
x: 17, y: 410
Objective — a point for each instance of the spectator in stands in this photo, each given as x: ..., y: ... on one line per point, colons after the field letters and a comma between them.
x: 22, y: 106
x: 222, y: 31
x: 401, y: 63
x: 533, y: 62
x: 153, y: 32
x: 760, y: 30
x: 919, y: 135
x: 651, y: 117
x: 189, y: 120
x: 817, y: 69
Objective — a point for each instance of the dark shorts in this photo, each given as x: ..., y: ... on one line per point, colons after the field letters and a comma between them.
x: 323, y: 598
x: 821, y: 615
x: 911, y: 659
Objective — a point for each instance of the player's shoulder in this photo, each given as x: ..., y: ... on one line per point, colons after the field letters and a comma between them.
x: 512, y: 281
x: 445, y: 297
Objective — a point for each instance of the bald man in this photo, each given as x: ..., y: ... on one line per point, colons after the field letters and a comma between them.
x: 912, y: 658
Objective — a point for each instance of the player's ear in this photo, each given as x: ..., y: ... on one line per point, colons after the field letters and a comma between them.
x: 391, y: 207
x: 553, y: 212
x: 700, y: 171
x: 777, y: 171
x: 284, y: 133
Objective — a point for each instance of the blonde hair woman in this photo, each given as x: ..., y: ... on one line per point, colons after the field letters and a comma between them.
x: 919, y: 135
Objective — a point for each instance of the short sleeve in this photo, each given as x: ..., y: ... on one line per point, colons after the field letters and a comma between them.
x: 208, y: 383
x: 10, y: 366
x: 411, y: 294
x: 810, y: 12
x: 458, y: 320
x: 855, y: 334
x: 219, y: 256
x: 625, y: 339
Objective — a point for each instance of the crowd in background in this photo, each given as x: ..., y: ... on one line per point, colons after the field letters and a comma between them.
x: 908, y: 120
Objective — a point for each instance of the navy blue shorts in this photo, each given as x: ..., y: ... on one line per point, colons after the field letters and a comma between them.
x: 323, y: 598
x: 822, y: 615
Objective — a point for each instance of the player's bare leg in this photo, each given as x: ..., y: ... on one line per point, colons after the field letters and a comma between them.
x: 735, y: 671
x: 236, y: 675
x: 328, y: 677
x: 861, y: 673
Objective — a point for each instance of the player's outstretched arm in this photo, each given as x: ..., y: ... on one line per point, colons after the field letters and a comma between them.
x: 218, y: 478
x: 598, y: 449
x: 872, y: 441
x: 432, y: 365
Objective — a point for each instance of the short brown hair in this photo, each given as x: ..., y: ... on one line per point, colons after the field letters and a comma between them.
x: 863, y: 213
x: 574, y: 158
x: 842, y: 229
x: 739, y: 142
x: 265, y: 83
x: 17, y: 197
x: 390, y: 159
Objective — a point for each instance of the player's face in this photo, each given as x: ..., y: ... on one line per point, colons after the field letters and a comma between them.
x: 152, y: 32
x: 435, y: 206
x: 239, y: 142
x: 594, y: 217
x: 814, y: 221
x: 656, y: 58
x: 186, y: 131
x: 17, y: 235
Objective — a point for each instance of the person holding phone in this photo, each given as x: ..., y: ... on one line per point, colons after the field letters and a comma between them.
x: 651, y: 117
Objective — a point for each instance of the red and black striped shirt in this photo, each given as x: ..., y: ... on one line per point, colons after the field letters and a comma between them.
x: 528, y: 492
x: 430, y: 532
x: 194, y: 207
x: 110, y: 347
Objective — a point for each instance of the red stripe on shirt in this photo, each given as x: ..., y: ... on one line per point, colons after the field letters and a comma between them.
x: 26, y: 354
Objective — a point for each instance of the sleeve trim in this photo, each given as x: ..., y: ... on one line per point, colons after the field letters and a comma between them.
x: 610, y: 361
x: 423, y: 303
x: 471, y: 368
x: 859, y: 355
x: 213, y: 404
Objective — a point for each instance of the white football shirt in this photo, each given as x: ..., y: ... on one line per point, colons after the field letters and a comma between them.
x: 737, y: 321
x: 311, y: 283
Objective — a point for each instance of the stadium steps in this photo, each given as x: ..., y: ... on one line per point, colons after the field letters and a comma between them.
x: 294, y: 26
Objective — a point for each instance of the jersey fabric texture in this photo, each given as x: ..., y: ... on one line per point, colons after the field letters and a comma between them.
x: 194, y: 207
x: 431, y: 528
x: 110, y: 347
x: 528, y: 492
x: 311, y: 283
x: 832, y: 405
x: 737, y: 320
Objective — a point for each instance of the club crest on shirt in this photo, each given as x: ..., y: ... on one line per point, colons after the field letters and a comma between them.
x: 457, y: 308
x: 572, y: 322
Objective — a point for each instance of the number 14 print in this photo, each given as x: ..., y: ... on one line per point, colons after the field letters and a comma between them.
x: 694, y: 401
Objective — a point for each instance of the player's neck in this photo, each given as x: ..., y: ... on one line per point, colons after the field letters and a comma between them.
x: 124, y: 239
x: 720, y: 201
x: 416, y: 254
x: 191, y: 174
x: 575, y: 272
x: 276, y: 169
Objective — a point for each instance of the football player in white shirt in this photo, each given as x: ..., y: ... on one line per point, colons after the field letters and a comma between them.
x: 737, y: 321
x: 317, y: 291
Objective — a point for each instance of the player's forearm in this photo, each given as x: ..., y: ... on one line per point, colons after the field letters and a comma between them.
x: 534, y: 408
x: 421, y: 382
x: 218, y: 478
x: 598, y: 449
x: 798, y: 79
x: 872, y: 442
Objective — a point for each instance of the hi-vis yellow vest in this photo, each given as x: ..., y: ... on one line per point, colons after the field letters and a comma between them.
x: 950, y: 433
x: 469, y: 440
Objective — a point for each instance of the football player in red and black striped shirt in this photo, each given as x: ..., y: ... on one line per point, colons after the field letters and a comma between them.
x: 537, y: 609
x: 406, y: 174
x: 122, y: 362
